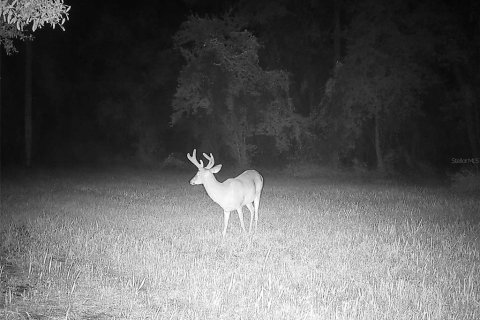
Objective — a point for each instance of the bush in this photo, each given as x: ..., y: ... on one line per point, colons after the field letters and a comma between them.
x: 466, y: 180
x: 306, y: 169
x: 175, y: 161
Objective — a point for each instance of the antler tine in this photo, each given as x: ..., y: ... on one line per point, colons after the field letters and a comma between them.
x: 193, y: 159
x: 211, y: 160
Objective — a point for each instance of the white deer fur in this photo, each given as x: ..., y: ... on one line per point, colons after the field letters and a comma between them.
x: 233, y: 193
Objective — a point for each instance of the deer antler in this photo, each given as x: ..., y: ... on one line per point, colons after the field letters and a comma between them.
x: 193, y: 159
x: 211, y: 161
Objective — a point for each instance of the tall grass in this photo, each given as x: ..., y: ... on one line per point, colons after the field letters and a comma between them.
x: 146, y: 245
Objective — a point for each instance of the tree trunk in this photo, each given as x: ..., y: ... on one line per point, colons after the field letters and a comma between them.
x: 28, y: 103
x: 1, y: 54
x: 235, y: 134
x: 337, y: 32
x: 337, y: 56
x: 412, y: 151
x: 470, y: 112
x: 473, y: 138
x: 378, y: 148
x: 240, y: 151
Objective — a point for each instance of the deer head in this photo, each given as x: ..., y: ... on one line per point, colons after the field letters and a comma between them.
x: 204, y: 173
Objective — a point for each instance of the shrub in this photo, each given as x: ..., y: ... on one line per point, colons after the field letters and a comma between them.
x: 175, y: 161
x: 307, y: 169
x: 466, y: 180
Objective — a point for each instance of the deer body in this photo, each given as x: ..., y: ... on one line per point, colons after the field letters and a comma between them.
x: 233, y: 193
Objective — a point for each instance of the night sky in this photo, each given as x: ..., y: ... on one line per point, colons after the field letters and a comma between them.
x: 100, y: 86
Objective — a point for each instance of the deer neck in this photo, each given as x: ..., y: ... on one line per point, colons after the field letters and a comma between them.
x: 214, y: 188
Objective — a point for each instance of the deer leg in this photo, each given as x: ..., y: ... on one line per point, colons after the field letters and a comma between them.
x: 240, y: 216
x: 250, y: 208
x: 256, y: 202
x: 226, y: 216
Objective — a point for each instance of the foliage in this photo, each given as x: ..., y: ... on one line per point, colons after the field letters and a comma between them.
x: 223, y: 86
x: 382, y: 76
x: 130, y: 114
x: 295, y: 36
x: 466, y: 181
x: 38, y: 12
x: 307, y: 169
x: 15, y: 15
x: 175, y: 160
x: 8, y: 33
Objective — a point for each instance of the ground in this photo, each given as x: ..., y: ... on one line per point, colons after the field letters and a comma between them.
x: 144, y: 244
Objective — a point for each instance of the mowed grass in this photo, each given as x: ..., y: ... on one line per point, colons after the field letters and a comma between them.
x: 147, y: 245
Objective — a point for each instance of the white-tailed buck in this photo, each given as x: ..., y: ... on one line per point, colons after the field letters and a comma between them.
x: 233, y: 193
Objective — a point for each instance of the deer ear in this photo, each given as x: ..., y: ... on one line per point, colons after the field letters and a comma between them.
x: 216, y: 168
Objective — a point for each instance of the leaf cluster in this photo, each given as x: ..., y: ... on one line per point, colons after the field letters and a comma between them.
x: 37, y: 12
x: 222, y: 79
x: 8, y: 33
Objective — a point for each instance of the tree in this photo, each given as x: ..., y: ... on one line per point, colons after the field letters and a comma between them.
x: 8, y: 33
x: 28, y: 103
x: 15, y: 16
x: 379, y: 85
x: 461, y: 47
x: 224, y: 93
x: 37, y: 12
x: 296, y: 36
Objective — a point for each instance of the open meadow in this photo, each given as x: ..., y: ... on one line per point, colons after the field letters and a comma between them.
x: 138, y: 244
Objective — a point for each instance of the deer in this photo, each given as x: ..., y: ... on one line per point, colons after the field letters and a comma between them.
x: 233, y: 193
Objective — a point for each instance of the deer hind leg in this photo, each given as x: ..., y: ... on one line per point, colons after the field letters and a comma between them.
x: 226, y: 216
x: 250, y: 208
x: 240, y: 216
x: 256, y: 202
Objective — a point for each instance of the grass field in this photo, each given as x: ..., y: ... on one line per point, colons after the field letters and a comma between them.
x: 146, y: 245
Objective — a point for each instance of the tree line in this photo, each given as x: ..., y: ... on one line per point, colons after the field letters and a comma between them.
x: 389, y: 86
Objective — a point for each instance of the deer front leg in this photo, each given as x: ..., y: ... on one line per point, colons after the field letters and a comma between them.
x: 240, y: 216
x: 226, y: 216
